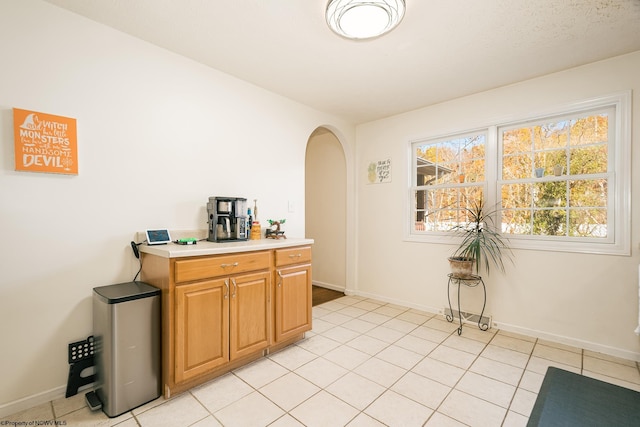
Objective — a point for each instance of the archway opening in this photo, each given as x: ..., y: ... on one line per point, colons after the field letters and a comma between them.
x: 326, y: 208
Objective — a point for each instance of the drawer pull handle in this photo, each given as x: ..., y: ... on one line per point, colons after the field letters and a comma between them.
x: 295, y: 255
x: 226, y: 284
x: 280, y: 281
x: 235, y: 264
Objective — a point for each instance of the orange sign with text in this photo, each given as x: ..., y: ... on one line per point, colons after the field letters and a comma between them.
x: 44, y: 142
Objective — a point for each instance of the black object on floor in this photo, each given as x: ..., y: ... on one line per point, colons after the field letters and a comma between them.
x: 568, y: 399
x: 93, y: 401
x: 80, y: 359
x: 321, y: 295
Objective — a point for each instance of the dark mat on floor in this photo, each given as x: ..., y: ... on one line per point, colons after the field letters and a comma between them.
x: 321, y: 295
x: 568, y: 399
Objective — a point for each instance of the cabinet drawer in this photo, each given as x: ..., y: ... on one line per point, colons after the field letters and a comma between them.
x: 292, y: 256
x: 224, y: 265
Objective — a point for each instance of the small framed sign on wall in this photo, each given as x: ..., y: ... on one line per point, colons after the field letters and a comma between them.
x: 379, y: 171
x: 45, y: 142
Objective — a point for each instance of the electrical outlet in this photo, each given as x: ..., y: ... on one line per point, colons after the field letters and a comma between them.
x: 292, y: 206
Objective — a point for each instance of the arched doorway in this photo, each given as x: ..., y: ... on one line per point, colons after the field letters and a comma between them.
x: 326, y: 208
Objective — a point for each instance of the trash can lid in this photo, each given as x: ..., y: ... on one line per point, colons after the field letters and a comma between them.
x: 127, y: 291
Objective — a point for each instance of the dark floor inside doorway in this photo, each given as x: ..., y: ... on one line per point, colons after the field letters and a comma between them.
x: 322, y: 295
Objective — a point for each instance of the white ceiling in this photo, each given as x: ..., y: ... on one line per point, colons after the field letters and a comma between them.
x: 443, y: 49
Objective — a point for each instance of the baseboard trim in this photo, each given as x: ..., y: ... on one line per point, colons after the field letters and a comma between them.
x: 29, y: 402
x: 420, y: 307
x: 573, y: 342
x: 587, y: 345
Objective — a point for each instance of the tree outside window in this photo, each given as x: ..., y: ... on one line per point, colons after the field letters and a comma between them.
x: 561, y: 181
x: 450, y: 175
x: 555, y: 177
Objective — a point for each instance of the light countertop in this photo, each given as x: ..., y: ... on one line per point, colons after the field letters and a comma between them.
x: 173, y: 250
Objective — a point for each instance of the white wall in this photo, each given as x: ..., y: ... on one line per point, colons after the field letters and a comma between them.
x: 157, y: 135
x: 586, y: 300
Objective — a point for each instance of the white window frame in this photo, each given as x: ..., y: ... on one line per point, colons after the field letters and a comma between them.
x: 619, y: 180
x: 489, y: 159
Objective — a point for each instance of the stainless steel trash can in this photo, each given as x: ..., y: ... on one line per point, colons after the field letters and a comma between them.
x: 126, y: 329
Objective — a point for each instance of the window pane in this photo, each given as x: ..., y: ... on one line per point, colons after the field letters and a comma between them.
x: 516, y: 196
x: 549, y: 222
x: 427, y: 153
x: 588, y: 223
x: 516, y: 221
x: 587, y: 160
x: 448, y: 151
x: 516, y: 141
x: 550, y: 194
x: 438, y: 199
x: 551, y: 135
x: 547, y: 160
x: 517, y: 167
x: 441, y: 209
x: 468, y: 198
x: 447, y: 173
x: 590, y: 130
x: 421, y: 204
x: 472, y: 171
x: 540, y: 203
x: 425, y: 175
x: 588, y: 193
x: 446, y: 167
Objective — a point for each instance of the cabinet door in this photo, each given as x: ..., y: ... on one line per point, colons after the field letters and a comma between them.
x: 202, y: 327
x: 249, y: 313
x: 293, y: 301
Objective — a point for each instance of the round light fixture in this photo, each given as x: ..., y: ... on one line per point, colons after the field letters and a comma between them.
x: 358, y: 19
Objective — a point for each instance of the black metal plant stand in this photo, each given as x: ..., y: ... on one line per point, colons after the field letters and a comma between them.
x: 471, y: 282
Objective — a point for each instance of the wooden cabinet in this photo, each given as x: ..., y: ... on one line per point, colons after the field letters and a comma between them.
x: 292, y: 305
x: 202, y: 327
x: 222, y: 311
x: 220, y: 320
x: 250, y: 320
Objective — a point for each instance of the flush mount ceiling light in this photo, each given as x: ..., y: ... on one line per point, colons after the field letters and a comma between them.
x: 359, y: 19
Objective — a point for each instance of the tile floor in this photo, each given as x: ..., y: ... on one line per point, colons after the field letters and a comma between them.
x: 367, y: 363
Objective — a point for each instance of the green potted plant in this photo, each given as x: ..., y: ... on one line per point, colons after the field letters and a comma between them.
x: 481, y: 242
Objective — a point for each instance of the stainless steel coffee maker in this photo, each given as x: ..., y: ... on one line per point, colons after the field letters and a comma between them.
x: 227, y: 219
